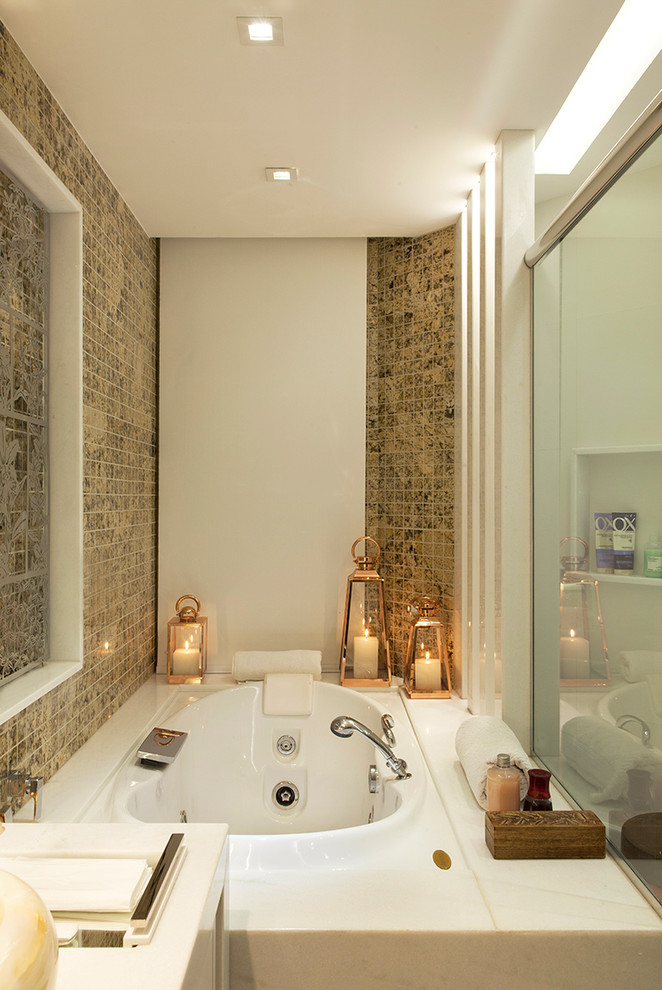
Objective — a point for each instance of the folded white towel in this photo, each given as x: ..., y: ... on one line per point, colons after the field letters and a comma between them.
x: 478, y: 742
x: 87, y: 885
x: 252, y: 665
x: 603, y: 754
x: 636, y: 664
x: 287, y: 694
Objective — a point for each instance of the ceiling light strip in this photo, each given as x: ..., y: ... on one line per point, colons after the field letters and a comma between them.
x: 645, y: 130
x: 631, y: 43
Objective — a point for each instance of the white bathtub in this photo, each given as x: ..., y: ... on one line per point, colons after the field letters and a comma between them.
x: 230, y: 768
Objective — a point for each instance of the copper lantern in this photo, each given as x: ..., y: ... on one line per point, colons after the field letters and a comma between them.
x: 427, y: 671
x: 584, y: 657
x: 187, y: 643
x: 365, y: 658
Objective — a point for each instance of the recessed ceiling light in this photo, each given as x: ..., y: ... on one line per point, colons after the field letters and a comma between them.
x: 281, y: 174
x: 260, y: 30
x: 631, y: 43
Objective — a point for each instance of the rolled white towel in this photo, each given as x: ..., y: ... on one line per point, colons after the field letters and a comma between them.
x: 252, y: 665
x: 637, y: 664
x: 603, y: 754
x: 478, y: 742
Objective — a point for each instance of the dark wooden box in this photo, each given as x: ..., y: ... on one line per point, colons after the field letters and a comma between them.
x: 545, y: 835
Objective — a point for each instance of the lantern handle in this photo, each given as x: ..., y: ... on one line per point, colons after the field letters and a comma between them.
x: 427, y: 603
x: 188, y: 607
x: 573, y: 562
x: 356, y: 542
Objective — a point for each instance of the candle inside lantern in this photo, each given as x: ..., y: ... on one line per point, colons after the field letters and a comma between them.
x: 427, y: 674
x: 366, y: 655
x: 574, y: 656
x: 186, y: 660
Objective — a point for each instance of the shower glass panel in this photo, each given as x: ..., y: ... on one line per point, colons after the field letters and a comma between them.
x: 598, y: 461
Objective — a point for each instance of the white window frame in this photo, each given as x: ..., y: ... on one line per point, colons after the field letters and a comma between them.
x: 65, y: 421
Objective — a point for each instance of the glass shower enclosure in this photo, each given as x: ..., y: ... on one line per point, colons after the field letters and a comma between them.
x: 597, y: 406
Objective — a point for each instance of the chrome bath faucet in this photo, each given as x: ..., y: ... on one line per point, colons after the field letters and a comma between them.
x: 32, y: 788
x: 344, y: 726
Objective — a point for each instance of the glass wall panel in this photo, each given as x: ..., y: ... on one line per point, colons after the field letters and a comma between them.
x: 598, y: 513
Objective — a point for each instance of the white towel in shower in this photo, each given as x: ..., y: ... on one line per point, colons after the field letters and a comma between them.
x: 603, y: 754
x: 636, y: 664
x: 252, y: 665
x: 478, y: 742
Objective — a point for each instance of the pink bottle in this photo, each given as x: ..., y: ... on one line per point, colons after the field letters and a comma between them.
x: 503, y: 781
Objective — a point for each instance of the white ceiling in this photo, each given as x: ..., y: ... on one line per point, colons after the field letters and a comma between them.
x: 388, y: 108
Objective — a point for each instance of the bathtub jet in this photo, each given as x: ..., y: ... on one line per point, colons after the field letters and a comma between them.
x: 344, y: 726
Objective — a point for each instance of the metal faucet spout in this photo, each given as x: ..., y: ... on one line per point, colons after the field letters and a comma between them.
x: 622, y: 721
x: 32, y: 788
x: 344, y: 726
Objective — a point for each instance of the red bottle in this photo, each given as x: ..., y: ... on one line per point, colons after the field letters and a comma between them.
x: 537, y: 797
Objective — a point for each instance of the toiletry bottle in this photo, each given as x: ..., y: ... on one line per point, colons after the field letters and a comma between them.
x: 537, y: 797
x: 639, y: 798
x: 503, y: 781
x: 653, y: 557
x: 625, y: 531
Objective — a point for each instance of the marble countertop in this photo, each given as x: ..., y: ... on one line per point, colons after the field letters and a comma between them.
x: 164, y: 962
x: 525, y: 895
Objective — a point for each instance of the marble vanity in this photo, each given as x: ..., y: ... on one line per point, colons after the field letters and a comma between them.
x: 187, y: 950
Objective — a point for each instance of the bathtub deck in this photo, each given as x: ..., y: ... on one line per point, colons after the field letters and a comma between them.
x: 483, y: 925
x: 400, y: 925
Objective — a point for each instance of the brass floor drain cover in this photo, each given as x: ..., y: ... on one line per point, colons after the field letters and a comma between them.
x: 441, y: 859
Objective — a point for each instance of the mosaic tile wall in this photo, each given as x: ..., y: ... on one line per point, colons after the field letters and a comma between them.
x: 120, y: 312
x: 410, y: 438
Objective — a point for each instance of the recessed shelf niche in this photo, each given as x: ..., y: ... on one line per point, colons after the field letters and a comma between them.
x: 625, y: 479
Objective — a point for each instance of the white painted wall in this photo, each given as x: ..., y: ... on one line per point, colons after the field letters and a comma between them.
x: 262, y: 434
